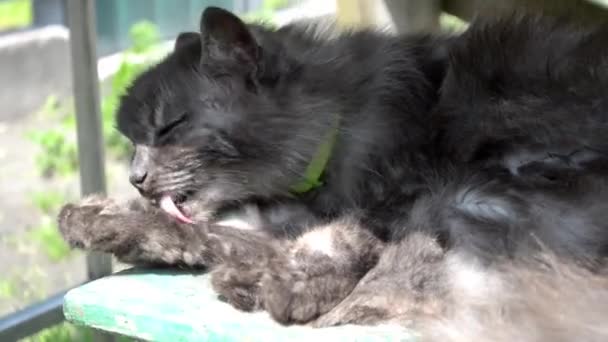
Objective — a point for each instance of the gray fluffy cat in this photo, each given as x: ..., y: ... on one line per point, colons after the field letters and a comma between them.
x: 455, y: 185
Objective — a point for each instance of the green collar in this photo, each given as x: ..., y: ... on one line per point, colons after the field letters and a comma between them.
x: 312, y: 176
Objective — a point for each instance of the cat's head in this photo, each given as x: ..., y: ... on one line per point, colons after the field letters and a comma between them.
x: 210, y: 123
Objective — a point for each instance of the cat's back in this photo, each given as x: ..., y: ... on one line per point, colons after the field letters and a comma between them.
x: 533, y: 52
x: 524, y: 84
x: 362, y: 53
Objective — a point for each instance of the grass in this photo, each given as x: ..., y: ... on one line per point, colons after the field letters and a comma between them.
x: 20, y: 287
x: 8, y: 288
x: 66, y: 332
x: 48, y: 202
x: 15, y: 14
x: 47, y: 237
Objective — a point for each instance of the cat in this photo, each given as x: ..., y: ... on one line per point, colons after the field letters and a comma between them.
x: 458, y: 168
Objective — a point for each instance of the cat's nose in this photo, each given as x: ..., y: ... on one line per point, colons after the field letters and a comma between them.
x: 137, y: 178
x: 140, y: 166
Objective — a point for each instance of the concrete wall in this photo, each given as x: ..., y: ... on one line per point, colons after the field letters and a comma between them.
x: 33, y: 65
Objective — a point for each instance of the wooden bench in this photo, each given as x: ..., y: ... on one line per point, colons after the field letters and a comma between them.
x: 170, y: 305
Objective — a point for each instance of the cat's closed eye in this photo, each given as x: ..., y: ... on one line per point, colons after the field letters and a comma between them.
x: 172, y: 125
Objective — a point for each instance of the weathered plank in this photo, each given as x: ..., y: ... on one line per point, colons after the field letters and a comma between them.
x: 163, y: 305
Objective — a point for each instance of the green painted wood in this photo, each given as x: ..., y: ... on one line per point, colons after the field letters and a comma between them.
x: 163, y: 305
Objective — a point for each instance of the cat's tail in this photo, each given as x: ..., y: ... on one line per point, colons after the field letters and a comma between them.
x: 544, y: 300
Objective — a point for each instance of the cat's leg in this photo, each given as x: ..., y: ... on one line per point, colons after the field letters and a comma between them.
x: 319, y: 271
x: 145, y: 235
x: 296, y: 280
x: 310, y: 275
x: 411, y: 280
x: 452, y: 240
x: 408, y: 284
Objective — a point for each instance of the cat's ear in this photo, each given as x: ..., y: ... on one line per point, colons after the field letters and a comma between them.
x: 224, y: 35
x: 186, y: 38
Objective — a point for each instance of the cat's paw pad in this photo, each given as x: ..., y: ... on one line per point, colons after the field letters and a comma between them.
x: 74, y: 219
x: 238, y: 286
x: 288, y: 299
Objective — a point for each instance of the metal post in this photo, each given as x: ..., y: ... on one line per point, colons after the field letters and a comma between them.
x: 32, y: 319
x: 81, y: 21
x: 414, y: 15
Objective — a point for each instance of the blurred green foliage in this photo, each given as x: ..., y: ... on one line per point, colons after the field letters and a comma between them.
x: 51, y: 243
x: 66, y: 332
x: 266, y: 12
x: 58, y: 149
x: 48, y: 201
x: 15, y: 14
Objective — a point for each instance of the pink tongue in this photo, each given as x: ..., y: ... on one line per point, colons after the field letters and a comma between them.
x: 167, y: 204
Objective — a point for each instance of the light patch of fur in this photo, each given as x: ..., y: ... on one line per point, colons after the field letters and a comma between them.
x: 319, y: 28
x: 204, y: 209
x: 468, y: 278
x: 478, y: 204
x: 237, y: 223
x: 247, y: 218
x: 513, y: 161
x: 319, y: 241
x: 533, y: 303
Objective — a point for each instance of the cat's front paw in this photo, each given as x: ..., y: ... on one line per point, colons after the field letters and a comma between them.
x: 238, y: 285
x: 292, y: 296
x: 74, y: 220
